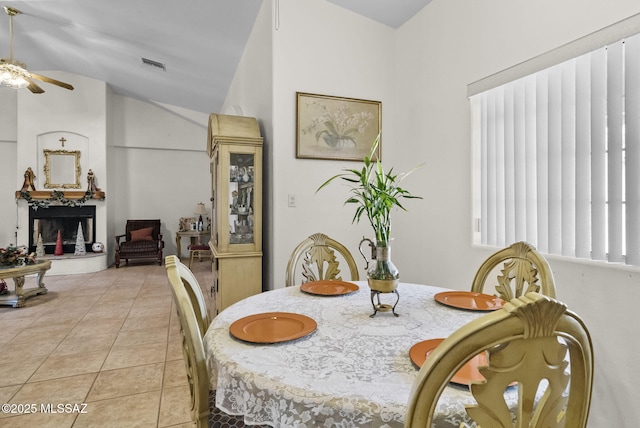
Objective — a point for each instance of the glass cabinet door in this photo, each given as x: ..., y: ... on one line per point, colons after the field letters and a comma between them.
x: 241, y: 198
x: 215, y: 226
x: 237, y: 198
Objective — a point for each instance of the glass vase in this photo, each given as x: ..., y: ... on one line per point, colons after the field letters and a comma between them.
x: 382, y: 275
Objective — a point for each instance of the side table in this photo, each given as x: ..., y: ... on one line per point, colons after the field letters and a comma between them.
x: 18, y: 297
x: 195, y: 236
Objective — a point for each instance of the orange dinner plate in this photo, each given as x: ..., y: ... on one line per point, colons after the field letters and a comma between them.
x: 469, y: 300
x: 467, y: 374
x: 329, y: 288
x: 272, y: 327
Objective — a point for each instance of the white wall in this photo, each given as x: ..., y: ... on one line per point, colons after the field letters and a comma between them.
x: 8, y: 212
x: 317, y: 47
x: 160, y: 165
x: 8, y: 169
x: 252, y: 92
x: 450, y: 44
x: 324, y: 49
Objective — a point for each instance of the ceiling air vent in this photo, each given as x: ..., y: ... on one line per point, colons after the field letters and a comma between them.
x: 153, y: 63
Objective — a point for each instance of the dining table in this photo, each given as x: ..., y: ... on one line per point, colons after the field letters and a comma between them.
x: 352, y: 370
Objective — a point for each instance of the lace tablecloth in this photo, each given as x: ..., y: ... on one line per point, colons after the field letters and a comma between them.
x: 353, y: 371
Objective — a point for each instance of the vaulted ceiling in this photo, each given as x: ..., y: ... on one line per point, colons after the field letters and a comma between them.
x: 199, y: 42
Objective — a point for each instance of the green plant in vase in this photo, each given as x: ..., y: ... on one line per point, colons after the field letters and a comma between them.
x: 375, y: 192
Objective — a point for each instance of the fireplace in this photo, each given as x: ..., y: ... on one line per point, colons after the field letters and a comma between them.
x: 48, y: 221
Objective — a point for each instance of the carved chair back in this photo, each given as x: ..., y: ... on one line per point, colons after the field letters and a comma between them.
x: 142, y: 224
x: 317, y: 258
x: 531, y: 342
x: 518, y: 269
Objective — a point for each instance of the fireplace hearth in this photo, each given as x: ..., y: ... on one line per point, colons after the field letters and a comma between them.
x: 48, y: 221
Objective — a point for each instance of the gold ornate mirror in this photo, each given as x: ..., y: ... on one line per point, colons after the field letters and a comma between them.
x: 62, y: 169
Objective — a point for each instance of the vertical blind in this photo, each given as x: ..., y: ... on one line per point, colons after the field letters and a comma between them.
x: 558, y: 155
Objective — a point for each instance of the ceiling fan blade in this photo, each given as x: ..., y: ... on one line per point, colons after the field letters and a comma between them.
x: 34, y: 88
x: 52, y: 81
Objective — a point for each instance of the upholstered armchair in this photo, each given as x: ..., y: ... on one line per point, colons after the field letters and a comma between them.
x: 142, y: 240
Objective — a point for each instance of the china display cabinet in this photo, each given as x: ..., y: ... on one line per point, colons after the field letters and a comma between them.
x: 234, y: 146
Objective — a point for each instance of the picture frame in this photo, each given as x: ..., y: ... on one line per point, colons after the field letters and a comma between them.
x: 185, y: 224
x: 62, y: 169
x: 336, y: 128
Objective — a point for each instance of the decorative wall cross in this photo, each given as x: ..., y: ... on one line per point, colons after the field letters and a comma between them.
x: 62, y: 140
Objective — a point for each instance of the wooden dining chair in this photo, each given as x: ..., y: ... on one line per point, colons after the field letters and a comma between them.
x: 533, y: 341
x: 192, y: 349
x: 194, y: 291
x: 203, y: 409
x: 314, y: 259
x: 519, y: 268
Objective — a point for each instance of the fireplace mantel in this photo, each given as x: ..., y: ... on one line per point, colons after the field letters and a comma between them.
x: 68, y: 194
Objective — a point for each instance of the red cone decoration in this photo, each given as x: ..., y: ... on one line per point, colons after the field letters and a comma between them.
x: 58, y: 251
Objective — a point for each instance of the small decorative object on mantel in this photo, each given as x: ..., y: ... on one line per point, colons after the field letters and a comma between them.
x: 80, y: 249
x: 40, y: 246
x: 59, y: 250
x: 376, y: 192
x: 97, y: 247
x: 16, y: 256
x: 69, y: 198
x: 91, y: 182
x: 29, y: 181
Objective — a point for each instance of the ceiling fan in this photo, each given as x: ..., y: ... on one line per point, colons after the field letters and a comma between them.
x: 14, y: 73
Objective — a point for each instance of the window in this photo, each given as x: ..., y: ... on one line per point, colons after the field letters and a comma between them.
x: 557, y: 156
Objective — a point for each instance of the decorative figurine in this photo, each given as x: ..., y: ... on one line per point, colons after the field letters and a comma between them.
x: 40, y: 246
x: 91, y: 181
x: 59, y: 251
x: 29, y: 180
x: 80, y: 249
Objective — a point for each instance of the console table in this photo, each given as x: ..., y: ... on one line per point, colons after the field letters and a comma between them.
x: 195, y: 236
x: 17, y: 297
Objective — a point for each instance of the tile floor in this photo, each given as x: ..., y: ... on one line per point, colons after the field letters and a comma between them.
x: 109, y: 340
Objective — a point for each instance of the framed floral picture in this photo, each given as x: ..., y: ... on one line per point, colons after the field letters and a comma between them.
x: 330, y: 127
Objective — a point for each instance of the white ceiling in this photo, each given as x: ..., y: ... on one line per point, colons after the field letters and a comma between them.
x: 199, y: 41
x: 393, y: 13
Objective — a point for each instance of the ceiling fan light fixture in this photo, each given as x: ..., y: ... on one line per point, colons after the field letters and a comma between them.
x: 13, y: 75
